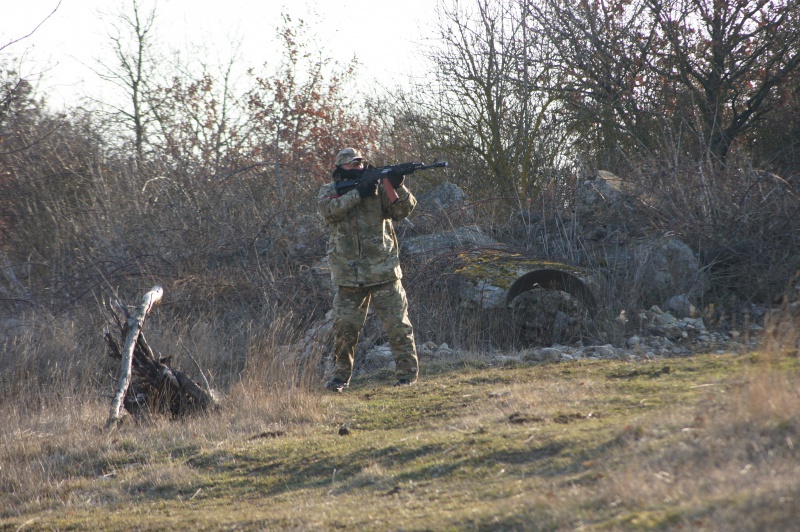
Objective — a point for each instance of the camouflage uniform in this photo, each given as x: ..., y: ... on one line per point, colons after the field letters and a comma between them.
x: 365, y: 266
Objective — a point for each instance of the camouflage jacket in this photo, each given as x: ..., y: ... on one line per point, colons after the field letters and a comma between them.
x: 363, y: 249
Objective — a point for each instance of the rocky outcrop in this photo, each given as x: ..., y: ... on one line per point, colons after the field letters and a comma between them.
x: 491, y: 278
x: 664, y: 268
x: 547, y: 317
x: 441, y: 209
x: 658, y: 335
x: 445, y: 197
x: 431, y: 245
x: 614, y: 227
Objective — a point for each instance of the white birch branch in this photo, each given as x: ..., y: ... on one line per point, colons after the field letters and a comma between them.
x: 134, y: 328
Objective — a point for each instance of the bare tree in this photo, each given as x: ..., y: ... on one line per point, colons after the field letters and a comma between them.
x: 18, y: 39
x: 730, y: 56
x: 706, y: 67
x: 200, y: 121
x: 597, y: 50
x: 490, y: 96
x: 304, y: 112
x: 14, y: 87
x: 134, y: 71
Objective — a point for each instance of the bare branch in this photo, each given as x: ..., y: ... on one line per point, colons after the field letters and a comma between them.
x: 14, y: 41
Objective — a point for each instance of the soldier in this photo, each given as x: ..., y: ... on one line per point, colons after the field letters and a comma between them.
x: 365, y: 267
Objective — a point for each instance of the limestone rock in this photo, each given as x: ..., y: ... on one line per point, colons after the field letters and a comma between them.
x: 442, y: 198
x: 680, y: 306
x: 667, y: 267
x: 542, y: 354
x: 435, y: 244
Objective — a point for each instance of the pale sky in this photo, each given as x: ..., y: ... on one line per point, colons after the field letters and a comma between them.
x: 385, y: 35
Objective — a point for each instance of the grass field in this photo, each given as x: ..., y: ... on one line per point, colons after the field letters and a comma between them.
x: 705, y: 442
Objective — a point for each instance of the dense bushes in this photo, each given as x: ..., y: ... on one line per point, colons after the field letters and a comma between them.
x: 215, y: 200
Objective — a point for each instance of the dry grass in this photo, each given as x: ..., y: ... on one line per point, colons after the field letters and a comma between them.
x: 731, y: 461
x: 712, y: 444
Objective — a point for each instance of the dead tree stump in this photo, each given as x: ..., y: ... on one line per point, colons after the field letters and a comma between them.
x: 147, y: 385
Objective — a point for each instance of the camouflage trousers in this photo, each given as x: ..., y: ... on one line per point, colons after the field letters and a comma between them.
x: 350, y: 307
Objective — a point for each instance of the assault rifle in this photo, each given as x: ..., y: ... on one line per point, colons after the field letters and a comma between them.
x: 383, y: 173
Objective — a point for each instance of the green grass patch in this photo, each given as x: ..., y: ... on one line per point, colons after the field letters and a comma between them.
x: 600, y: 444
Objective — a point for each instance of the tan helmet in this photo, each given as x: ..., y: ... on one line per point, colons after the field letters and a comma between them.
x: 348, y: 155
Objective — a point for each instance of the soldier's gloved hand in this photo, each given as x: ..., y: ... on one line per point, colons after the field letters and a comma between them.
x: 396, y: 180
x: 368, y: 190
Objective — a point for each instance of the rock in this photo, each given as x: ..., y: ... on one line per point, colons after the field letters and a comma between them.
x: 378, y: 356
x: 546, y: 354
x: 427, y: 350
x: 442, y: 198
x: 597, y: 194
x: 441, y: 208
x: 444, y: 351
x: 680, y: 306
x: 435, y: 244
x: 664, y: 319
x: 659, y: 324
x: 696, y: 323
x: 482, y: 294
x: 606, y: 352
x: 481, y: 276
x: 317, y: 341
x: 606, y: 213
x: 668, y: 267
x: 545, y: 317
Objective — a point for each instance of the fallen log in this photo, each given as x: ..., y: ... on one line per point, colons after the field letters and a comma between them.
x: 146, y: 384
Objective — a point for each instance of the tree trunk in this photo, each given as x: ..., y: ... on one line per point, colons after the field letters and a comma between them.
x: 134, y: 326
